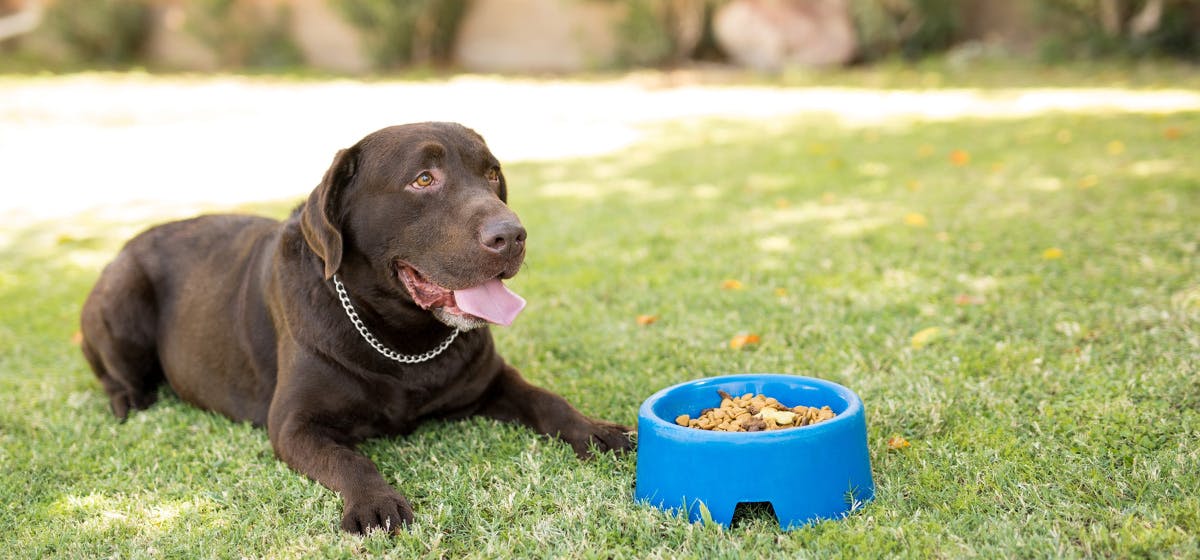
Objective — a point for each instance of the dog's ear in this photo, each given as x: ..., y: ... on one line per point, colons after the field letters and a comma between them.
x: 320, y: 220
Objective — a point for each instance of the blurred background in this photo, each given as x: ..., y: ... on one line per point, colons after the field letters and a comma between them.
x: 153, y: 108
x: 358, y: 37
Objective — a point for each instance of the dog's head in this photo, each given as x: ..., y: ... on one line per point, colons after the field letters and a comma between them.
x: 424, y: 206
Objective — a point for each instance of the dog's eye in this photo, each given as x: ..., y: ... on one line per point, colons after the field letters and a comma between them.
x: 492, y: 175
x: 423, y: 180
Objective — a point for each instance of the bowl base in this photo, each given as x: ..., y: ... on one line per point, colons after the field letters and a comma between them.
x: 806, y: 473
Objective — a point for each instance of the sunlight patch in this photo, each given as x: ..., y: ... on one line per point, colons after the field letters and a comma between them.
x: 774, y: 243
x: 1151, y: 167
x: 847, y: 228
x: 1011, y: 210
x: 810, y: 212
x: 88, y: 259
x: 765, y: 182
x: 103, y: 121
x: 638, y: 189
x: 571, y: 189
x: 980, y: 284
x: 705, y: 191
x: 100, y: 512
x: 874, y: 169
x: 844, y: 217
x: 898, y: 278
x: 1187, y: 302
x: 1046, y: 184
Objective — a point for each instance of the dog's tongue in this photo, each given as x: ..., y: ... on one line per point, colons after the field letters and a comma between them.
x: 491, y: 301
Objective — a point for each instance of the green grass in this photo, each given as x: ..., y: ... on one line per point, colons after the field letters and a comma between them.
x: 1055, y: 413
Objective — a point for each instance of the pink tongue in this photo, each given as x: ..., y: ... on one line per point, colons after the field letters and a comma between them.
x: 491, y: 301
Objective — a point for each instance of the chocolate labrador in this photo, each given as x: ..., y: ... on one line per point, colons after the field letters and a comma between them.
x: 362, y: 315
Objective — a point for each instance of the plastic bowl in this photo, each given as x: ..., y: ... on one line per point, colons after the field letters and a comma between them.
x: 822, y: 471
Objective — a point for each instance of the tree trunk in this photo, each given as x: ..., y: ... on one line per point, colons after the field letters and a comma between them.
x: 1110, y: 17
x: 1147, y: 20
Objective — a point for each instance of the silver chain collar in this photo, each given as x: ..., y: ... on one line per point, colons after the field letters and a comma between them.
x: 374, y: 342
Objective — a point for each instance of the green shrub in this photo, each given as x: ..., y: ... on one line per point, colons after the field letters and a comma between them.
x: 914, y: 28
x: 664, y: 32
x: 106, y: 32
x: 642, y: 37
x: 242, y: 34
x: 1079, y: 29
x: 404, y: 32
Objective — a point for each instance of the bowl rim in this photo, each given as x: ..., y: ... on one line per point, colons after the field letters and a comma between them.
x: 855, y: 408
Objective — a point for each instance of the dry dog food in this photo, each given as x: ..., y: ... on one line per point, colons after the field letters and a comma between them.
x: 754, y: 413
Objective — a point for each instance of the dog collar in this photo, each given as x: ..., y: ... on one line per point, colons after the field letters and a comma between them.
x: 374, y: 342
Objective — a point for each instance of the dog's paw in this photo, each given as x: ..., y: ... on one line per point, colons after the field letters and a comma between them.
x: 389, y: 512
x: 598, y: 436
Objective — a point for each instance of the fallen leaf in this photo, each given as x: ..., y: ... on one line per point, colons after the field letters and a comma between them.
x: 731, y: 284
x: 647, y: 319
x: 897, y: 442
x: 915, y: 219
x: 77, y: 338
x: 1115, y: 148
x: 960, y: 157
x: 1173, y: 133
x: 925, y: 336
x: 968, y: 299
x: 742, y: 340
x: 1053, y: 253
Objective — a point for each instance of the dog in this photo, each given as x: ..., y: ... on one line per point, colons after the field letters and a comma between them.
x: 362, y: 315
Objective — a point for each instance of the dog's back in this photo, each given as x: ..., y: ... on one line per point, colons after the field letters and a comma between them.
x: 171, y: 287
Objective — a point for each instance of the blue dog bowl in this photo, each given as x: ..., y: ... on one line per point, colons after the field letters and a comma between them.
x: 822, y: 471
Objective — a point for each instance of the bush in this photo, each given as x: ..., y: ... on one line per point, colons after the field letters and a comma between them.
x: 643, y: 37
x: 915, y: 28
x: 105, y: 32
x: 242, y: 34
x: 1091, y: 29
x: 403, y: 32
x: 658, y: 32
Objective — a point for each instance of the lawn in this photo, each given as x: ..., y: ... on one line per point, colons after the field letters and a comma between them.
x: 1019, y: 299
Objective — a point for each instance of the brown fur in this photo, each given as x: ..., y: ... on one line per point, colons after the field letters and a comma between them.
x: 238, y: 315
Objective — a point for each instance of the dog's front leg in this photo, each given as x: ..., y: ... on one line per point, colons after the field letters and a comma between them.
x: 514, y: 399
x: 369, y: 501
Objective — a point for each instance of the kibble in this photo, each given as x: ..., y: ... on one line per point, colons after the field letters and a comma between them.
x: 754, y: 413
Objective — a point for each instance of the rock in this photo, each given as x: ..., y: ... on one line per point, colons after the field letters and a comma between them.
x: 18, y: 18
x: 773, y: 34
x: 538, y: 35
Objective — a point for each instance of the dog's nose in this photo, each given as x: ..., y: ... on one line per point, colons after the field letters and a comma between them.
x: 503, y: 236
